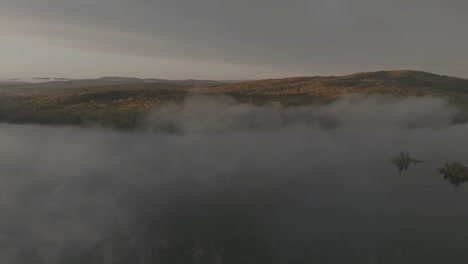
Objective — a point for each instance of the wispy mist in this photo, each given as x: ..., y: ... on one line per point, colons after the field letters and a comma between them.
x: 213, y: 181
x: 208, y: 115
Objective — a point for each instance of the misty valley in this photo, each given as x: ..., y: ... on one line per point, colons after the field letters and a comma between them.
x: 363, y: 179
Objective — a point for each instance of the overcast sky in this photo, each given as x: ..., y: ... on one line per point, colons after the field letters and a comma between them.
x: 230, y: 39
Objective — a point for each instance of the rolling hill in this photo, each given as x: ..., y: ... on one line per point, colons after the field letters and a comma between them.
x: 121, y: 102
x: 399, y: 83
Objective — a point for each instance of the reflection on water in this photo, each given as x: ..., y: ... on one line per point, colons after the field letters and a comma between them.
x: 403, y: 161
x: 455, y: 173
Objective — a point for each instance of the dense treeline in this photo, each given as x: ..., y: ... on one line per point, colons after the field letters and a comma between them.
x: 111, y: 106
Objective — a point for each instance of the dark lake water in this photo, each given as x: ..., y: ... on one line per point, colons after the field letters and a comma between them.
x: 295, y: 195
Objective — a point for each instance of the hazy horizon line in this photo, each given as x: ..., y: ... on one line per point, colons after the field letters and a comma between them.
x: 39, y: 79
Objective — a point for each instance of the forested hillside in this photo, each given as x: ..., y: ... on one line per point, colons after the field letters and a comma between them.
x: 122, y: 102
x: 309, y: 89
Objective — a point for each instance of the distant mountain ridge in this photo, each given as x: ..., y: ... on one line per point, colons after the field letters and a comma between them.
x: 109, y: 80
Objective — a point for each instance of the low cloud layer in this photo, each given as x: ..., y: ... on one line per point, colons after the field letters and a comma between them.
x: 217, y: 182
x: 208, y: 115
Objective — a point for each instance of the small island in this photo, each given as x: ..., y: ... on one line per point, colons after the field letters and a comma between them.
x: 456, y: 173
x: 403, y: 161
